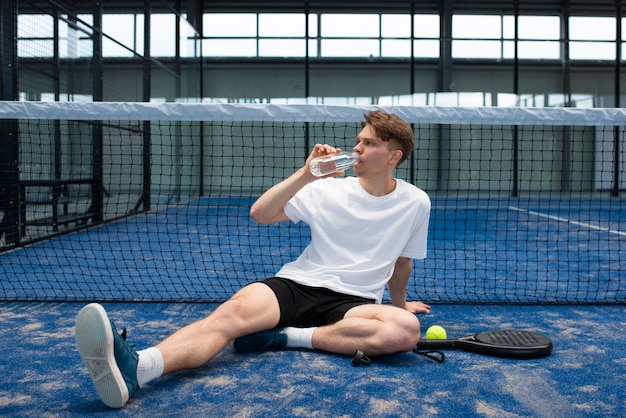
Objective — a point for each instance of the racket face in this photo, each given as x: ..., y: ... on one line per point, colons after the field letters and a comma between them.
x: 513, y: 343
x: 513, y: 338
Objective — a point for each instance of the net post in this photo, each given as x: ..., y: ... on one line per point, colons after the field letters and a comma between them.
x: 97, y: 185
x: 9, y: 182
x: 443, y: 175
x: 566, y: 158
x: 9, y: 172
x: 616, y: 129
x: 147, y: 172
x: 616, y: 162
x: 147, y: 92
x: 515, y: 165
x: 307, y: 145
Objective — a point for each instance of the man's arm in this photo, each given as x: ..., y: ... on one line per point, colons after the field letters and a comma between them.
x: 397, y: 287
x: 269, y: 208
x: 399, y: 279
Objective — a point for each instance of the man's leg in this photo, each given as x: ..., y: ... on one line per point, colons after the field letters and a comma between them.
x: 113, y: 364
x: 374, y: 329
x: 253, y: 308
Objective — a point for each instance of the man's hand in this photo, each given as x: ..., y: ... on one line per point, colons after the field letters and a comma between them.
x: 417, y: 307
x: 320, y: 150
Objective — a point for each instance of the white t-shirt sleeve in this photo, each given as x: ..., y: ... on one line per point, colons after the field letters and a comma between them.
x: 304, y: 204
x: 416, y: 246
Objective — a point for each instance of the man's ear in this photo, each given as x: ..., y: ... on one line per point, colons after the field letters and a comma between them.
x: 396, y: 157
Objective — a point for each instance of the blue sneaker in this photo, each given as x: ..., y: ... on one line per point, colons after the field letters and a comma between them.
x: 112, y: 364
x: 263, y: 340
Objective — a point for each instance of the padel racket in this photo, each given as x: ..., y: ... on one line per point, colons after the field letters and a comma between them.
x: 514, y: 344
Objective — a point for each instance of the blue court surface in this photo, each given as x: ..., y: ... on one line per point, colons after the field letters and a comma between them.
x: 583, y: 377
x: 553, y: 266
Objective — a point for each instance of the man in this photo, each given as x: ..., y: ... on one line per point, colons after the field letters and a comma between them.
x: 365, y: 231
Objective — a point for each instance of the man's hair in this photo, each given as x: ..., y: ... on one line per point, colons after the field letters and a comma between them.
x: 390, y: 127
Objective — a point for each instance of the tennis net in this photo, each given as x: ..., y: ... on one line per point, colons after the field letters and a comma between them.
x: 149, y: 202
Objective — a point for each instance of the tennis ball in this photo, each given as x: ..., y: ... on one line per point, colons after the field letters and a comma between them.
x: 436, y: 332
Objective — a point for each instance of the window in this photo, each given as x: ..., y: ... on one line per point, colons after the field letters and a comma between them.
x: 330, y: 35
x: 426, y: 34
x: 345, y: 35
x: 35, y: 36
x: 478, y: 36
x: 538, y: 37
x: 592, y: 38
x: 125, y: 29
x: 282, y: 35
x: 395, y: 32
x: 341, y: 35
x: 251, y: 35
x: 229, y: 35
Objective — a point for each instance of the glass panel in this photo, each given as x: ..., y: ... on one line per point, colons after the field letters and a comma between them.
x: 508, y: 49
x: 426, y: 49
x: 426, y: 26
x: 281, y: 24
x: 35, y: 26
x: 229, y: 48
x: 592, y: 28
x: 85, y: 43
x: 188, y: 39
x: 35, y: 49
x: 539, y: 27
x: 396, y: 48
x: 476, y: 49
x: 349, y: 48
x: 163, y: 35
x: 281, y: 48
x: 508, y: 27
x: 229, y: 24
x: 476, y: 27
x: 352, y: 26
x: 312, y: 25
x: 538, y: 50
x: 592, y: 50
x: 120, y: 27
x: 312, y: 48
x: 396, y: 26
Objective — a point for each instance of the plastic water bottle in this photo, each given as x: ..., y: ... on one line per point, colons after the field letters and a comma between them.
x: 328, y: 164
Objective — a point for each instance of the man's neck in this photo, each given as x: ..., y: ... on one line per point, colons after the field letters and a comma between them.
x: 378, y: 187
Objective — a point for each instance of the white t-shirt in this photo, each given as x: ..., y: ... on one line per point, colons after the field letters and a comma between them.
x: 356, y: 238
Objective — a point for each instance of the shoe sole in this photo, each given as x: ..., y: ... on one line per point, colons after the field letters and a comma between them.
x: 94, y: 340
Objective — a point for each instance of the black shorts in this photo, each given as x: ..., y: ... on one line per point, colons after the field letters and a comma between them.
x: 305, y: 306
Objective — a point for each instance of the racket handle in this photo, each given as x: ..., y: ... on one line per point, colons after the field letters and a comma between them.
x: 424, y: 344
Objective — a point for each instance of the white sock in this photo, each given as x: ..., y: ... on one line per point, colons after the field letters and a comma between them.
x: 150, y: 365
x: 299, y: 337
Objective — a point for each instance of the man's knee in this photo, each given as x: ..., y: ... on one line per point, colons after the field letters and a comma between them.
x: 232, y: 308
x: 402, y: 334
x: 248, y: 311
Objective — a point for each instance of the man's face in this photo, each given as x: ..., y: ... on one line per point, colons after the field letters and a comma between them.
x: 375, y: 155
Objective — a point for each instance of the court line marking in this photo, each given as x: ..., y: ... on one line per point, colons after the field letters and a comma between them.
x: 569, y: 221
